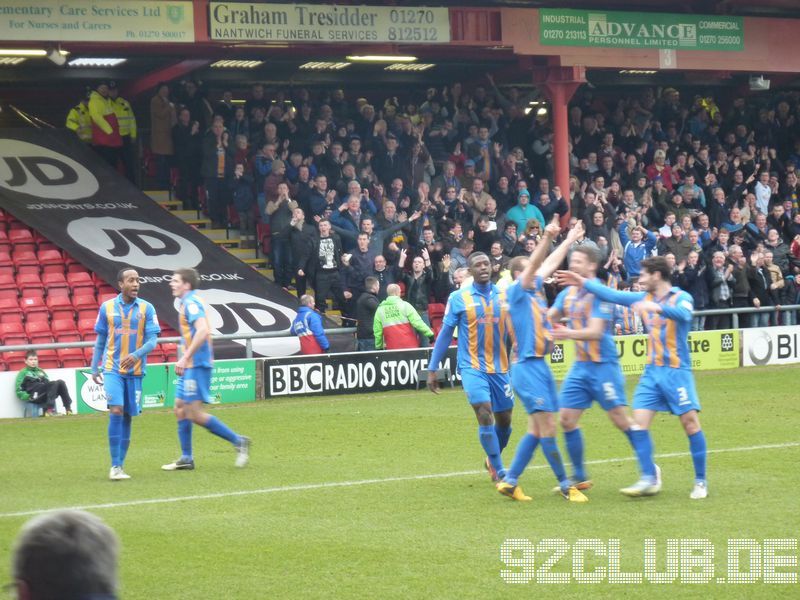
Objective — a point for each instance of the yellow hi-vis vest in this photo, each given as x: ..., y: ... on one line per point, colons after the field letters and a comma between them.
x: 125, y: 117
x: 79, y: 121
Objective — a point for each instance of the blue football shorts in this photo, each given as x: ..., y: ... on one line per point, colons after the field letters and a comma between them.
x: 666, y: 389
x: 123, y: 391
x: 590, y: 381
x: 488, y: 387
x: 194, y: 384
x: 534, y: 384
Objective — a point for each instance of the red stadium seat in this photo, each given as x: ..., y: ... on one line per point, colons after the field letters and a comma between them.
x: 72, y: 264
x: 25, y: 262
x: 6, y: 264
x: 30, y: 285
x: 12, y: 334
x: 34, y: 309
x: 85, y: 306
x: 48, y: 359
x: 51, y: 261
x: 170, y: 351
x: 65, y: 330
x: 15, y: 360
x: 10, y: 306
x: 21, y: 239
x: 72, y: 357
x: 86, y: 330
x: 81, y: 283
x: 55, y: 284
x: 47, y: 246
x: 60, y: 307
x: 435, y: 315
x: 5, y: 245
x: 105, y: 289
x: 38, y: 332
x: 102, y: 297
x: 87, y: 355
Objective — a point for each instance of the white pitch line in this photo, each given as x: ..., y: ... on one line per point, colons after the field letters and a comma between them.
x: 360, y: 482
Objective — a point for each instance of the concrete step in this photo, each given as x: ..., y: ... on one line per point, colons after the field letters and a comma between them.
x: 243, y: 253
x: 171, y: 204
x: 186, y: 215
x: 229, y: 243
x: 158, y: 195
x: 220, y: 234
x: 256, y: 263
x: 199, y: 223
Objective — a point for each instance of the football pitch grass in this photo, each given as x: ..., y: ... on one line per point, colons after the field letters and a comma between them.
x: 382, y: 496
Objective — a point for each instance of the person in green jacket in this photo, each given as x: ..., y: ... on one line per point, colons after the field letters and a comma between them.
x: 34, y: 386
x: 396, y: 323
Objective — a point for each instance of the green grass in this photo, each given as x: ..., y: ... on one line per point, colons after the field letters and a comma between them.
x: 418, y: 538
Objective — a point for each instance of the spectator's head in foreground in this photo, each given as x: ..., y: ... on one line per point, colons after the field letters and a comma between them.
x: 65, y: 555
x: 307, y: 300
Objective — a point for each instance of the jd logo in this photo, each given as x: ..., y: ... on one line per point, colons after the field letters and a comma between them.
x: 236, y: 312
x: 91, y: 393
x: 135, y: 243
x: 38, y: 171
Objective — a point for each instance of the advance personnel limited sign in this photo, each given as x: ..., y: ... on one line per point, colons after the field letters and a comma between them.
x: 640, y: 30
x: 234, y: 22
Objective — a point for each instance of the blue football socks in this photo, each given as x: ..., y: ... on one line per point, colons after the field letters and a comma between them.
x: 503, y: 434
x: 491, y: 446
x: 553, y: 455
x: 125, y: 438
x: 697, y: 445
x: 524, y: 454
x: 219, y: 428
x: 114, y: 435
x: 574, y: 442
x: 185, y: 438
x: 642, y: 443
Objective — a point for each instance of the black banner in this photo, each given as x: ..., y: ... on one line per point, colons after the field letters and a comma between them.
x: 55, y: 184
x: 349, y: 373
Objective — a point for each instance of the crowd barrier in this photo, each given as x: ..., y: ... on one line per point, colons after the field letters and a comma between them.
x: 251, y: 379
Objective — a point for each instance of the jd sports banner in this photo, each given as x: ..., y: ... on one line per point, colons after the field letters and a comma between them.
x: 58, y: 186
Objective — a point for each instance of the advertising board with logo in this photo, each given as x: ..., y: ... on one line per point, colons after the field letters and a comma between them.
x: 155, y: 391
x: 231, y: 381
x: 770, y: 346
x: 54, y: 183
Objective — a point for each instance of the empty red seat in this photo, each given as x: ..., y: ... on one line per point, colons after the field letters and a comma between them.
x: 102, y: 297
x: 106, y: 289
x: 30, y: 284
x: 71, y: 357
x: 48, y: 359
x: 86, y: 330
x: 64, y: 330
x: 21, y: 239
x: 12, y: 334
x: 170, y: 351
x: 6, y: 264
x: 34, y: 309
x: 38, y: 332
x: 72, y: 264
x: 14, y: 360
x: 47, y: 245
x: 51, y: 261
x: 5, y: 245
x: 55, y: 284
x: 10, y: 306
x: 81, y: 283
x: 25, y: 261
x: 60, y: 307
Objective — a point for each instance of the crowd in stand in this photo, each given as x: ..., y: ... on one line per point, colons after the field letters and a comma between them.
x: 403, y: 192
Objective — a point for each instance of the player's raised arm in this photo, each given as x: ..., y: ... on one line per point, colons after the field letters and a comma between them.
x: 552, y: 230
x: 554, y: 260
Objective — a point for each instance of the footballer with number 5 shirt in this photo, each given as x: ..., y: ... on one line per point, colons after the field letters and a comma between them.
x: 194, y: 375
x: 667, y: 383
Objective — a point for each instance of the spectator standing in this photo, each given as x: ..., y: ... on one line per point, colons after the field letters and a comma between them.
x: 79, y: 121
x: 244, y: 201
x: 216, y: 169
x: 301, y: 241
x: 366, y: 305
x: 635, y: 248
x: 127, y: 130
x: 720, y: 278
x: 188, y: 146
x: 280, y: 209
x: 396, y: 322
x: 106, y: 137
x: 327, y: 279
x: 162, y: 122
x: 307, y: 325
x: 34, y: 386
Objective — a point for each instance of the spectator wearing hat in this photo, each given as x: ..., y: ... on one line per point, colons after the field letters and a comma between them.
x: 390, y: 164
x: 524, y: 210
x: 106, y: 136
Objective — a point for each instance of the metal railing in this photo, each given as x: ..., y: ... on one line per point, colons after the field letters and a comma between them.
x: 735, y: 312
x: 247, y: 337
